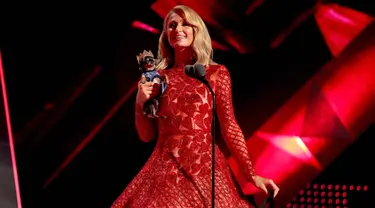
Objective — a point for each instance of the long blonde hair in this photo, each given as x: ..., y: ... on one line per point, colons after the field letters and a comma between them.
x: 202, y: 46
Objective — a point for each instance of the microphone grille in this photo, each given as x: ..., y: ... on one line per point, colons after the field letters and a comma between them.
x: 189, y: 70
x: 199, y: 70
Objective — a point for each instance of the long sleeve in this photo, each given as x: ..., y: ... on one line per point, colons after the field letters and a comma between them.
x: 145, y: 126
x: 230, y: 129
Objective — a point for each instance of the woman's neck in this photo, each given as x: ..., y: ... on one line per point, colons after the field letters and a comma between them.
x: 183, y: 57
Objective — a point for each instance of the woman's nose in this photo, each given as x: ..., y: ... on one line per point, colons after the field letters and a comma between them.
x: 179, y: 28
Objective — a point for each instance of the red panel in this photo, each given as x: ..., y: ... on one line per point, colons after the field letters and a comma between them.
x: 327, y: 114
x: 340, y: 25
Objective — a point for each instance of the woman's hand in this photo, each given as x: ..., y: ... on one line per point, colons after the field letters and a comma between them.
x: 266, y: 185
x: 147, y: 90
x: 144, y: 91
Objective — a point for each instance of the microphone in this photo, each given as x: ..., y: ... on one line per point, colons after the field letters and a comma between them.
x: 198, y: 71
x: 189, y: 70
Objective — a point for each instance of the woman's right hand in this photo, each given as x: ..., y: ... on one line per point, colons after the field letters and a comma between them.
x: 145, y: 89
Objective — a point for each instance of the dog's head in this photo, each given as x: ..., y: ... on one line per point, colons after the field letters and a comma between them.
x: 146, y: 60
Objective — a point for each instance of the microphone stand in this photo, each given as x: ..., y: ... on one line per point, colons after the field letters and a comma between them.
x: 213, y: 130
x: 198, y: 71
x: 269, y: 200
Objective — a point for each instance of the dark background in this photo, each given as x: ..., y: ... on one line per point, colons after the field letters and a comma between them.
x: 49, y: 51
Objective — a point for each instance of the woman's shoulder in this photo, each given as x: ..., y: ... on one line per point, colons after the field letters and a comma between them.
x: 216, y: 67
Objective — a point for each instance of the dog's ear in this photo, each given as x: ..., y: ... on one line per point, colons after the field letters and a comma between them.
x: 140, y: 58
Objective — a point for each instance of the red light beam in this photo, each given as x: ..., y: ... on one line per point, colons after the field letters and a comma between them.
x: 10, y: 134
x: 144, y: 26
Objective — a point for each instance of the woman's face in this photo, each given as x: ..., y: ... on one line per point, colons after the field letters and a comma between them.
x: 180, y: 34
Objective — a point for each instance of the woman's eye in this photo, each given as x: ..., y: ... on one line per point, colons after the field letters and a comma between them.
x: 172, y: 25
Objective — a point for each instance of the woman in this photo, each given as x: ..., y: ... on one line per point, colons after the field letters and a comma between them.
x: 178, y: 173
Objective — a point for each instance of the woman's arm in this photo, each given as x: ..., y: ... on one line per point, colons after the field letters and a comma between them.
x: 146, y: 127
x: 231, y: 131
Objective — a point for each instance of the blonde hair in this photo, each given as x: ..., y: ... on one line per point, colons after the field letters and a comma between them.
x: 202, y: 46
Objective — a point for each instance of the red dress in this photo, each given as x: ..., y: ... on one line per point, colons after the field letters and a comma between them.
x: 178, y: 173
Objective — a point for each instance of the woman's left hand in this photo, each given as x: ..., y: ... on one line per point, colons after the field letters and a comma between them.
x: 266, y: 185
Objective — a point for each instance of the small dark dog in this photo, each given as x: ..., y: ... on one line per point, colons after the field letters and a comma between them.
x: 147, y: 65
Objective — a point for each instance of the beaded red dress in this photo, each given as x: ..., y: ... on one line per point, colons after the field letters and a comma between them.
x: 178, y: 173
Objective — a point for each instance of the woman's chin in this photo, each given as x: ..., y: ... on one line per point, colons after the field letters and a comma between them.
x: 180, y: 45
